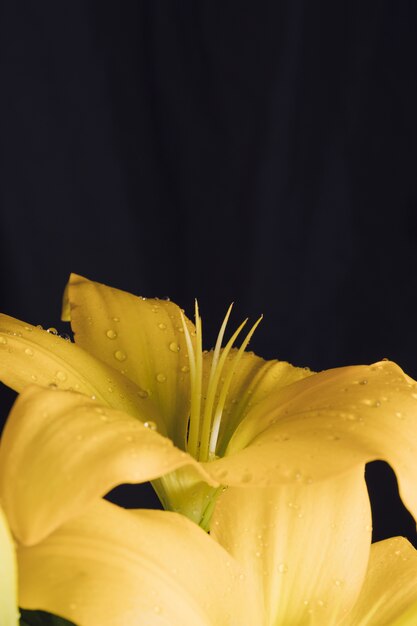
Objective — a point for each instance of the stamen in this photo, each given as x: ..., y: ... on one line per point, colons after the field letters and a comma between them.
x: 225, y: 389
x: 196, y: 368
x: 203, y: 431
x: 212, y: 388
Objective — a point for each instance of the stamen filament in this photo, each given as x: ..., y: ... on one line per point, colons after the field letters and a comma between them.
x: 195, y: 358
x: 211, y: 392
x: 225, y: 389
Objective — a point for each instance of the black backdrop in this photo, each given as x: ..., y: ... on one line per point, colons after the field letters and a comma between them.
x: 261, y: 152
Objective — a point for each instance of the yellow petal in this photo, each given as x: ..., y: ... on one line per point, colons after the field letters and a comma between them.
x: 30, y: 355
x: 253, y: 380
x: 305, y: 549
x: 142, y: 338
x: 324, y: 425
x: 61, y: 450
x: 389, y: 594
x: 112, y: 567
x: 9, y: 615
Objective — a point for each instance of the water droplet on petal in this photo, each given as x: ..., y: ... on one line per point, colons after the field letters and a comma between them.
x: 61, y: 376
x: 161, y: 378
x: 120, y: 355
x: 39, y: 326
x: 143, y: 394
x: 174, y: 347
x: 3, y: 340
x: 282, y: 568
x: 116, y: 319
x: 111, y: 334
x: 34, y: 377
x: 52, y: 330
x: 53, y: 386
x: 151, y: 425
x: 185, y: 368
x: 162, y: 326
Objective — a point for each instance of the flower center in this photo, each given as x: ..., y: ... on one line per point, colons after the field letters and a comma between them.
x: 204, y: 424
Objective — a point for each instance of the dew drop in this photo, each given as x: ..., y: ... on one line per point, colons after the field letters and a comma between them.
x: 363, y: 382
x: 39, y: 326
x: 3, y: 340
x: 151, y: 425
x: 28, y: 328
x: 174, y: 347
x: 241, y: 576
x: 111, y: 334
x: 116, y: 319
x: 162, y: 326
x: 52, y: 330
x: 66, y: 337
x: 161, y: 378
x: 257, y: 554
x: 282, y: 568
x: 399, y: 415
x: 143, y: 394
x: 120, y: 355
x: 34, y: 377
x: 28, y: 351
x: 53, y: 386
x: 61, y: 376
x: 185, y: 368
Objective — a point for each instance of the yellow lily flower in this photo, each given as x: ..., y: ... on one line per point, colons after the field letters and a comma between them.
x: 300, y: 556
x: 9, y: 615
x: 144, y: 383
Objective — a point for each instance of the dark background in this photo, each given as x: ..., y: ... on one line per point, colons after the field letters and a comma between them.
x: 257, y: 152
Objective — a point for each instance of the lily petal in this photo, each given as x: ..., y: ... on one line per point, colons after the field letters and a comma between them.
x: 101, y: 447
x: 9, y: 615
x: 389, y: 594
x: 112, y: 567
x: 324, y: 425
x: 143, y: 339
x: 30, y: 355
x: 304, y: 548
